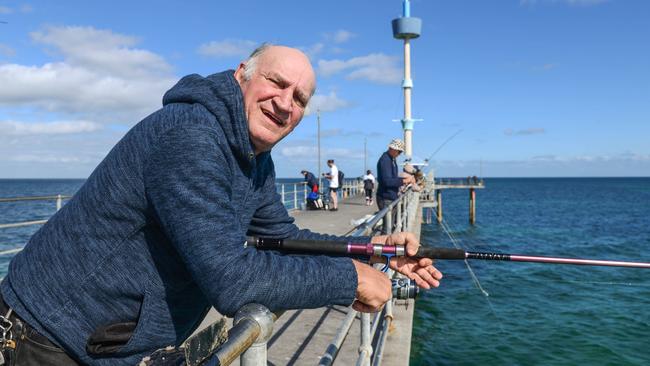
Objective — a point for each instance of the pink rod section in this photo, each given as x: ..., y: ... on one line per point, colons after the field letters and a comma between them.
x: 363, y: 249
x: 586, y: 262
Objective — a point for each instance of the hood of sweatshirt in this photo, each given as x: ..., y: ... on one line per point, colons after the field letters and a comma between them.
x: 221, y: 95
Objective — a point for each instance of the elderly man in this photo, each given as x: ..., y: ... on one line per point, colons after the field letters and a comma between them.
x: 156, y: 234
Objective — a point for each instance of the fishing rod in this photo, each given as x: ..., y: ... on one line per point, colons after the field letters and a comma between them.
x: 387, y: 251
x: 350, y: 248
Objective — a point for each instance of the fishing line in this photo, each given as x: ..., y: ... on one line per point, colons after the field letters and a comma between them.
x: 629, y: 284
x: 457, y: 246
x: 475, y: 278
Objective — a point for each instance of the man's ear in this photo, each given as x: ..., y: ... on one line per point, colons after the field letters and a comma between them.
x: 239, y: 73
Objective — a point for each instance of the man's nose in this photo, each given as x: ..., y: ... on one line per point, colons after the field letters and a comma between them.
x: 284, y: 101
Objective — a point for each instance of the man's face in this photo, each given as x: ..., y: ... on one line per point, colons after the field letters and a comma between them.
x: 276, y: 95
x: 393, y: 153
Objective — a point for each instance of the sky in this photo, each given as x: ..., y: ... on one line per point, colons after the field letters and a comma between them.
x: 505, y: 88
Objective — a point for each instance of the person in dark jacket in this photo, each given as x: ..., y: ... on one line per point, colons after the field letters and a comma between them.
x: 311, y: 180
x: 388, y: 179
x: 157, y: 233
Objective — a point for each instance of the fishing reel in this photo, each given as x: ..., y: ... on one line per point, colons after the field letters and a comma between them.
x: 404, y: 288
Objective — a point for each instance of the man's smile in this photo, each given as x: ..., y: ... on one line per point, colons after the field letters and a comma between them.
x: 273, y: 118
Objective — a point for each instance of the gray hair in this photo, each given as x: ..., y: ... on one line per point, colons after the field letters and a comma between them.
x: 250, y: 65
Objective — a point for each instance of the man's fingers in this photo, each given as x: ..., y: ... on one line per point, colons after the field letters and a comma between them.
x: 365, y: 308
x: 428, y: 276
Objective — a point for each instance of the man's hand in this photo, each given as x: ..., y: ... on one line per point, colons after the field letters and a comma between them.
x: 420, y: 270
x: 373, y: 289
x: 408, y: 179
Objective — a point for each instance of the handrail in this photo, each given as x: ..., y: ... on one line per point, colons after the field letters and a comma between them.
x: 297, y: 192
x: 247, y: 339
x: 24, y: 223
x: 34, y: 198
x: 368, y: 332
x: 59, y: 203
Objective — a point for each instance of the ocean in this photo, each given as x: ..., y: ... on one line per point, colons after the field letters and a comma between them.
x: 541, y: 314
x: 535, y: 314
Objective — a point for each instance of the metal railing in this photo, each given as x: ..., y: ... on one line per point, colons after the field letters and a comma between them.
x: 253, y: 324
x: 59, y: 203
x: 294, y: 195
x: 404, y: 209
x: 460, y: 181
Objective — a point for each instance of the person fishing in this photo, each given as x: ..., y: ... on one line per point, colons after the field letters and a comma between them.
x: 157, y: 233
x: 388, y: 179
x: 310, y: 180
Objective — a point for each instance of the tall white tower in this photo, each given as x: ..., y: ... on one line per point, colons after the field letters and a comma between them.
x: 407, y: 27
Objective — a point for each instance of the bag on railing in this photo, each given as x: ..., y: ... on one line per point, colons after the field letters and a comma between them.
x: 197, y: 350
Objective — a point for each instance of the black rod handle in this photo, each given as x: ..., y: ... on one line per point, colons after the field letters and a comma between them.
x: 330, y: 247
x: 440, y: 253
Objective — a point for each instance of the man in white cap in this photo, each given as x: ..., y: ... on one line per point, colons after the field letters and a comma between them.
x: 388, y: 177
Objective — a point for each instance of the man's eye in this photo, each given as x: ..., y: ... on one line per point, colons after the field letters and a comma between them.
x: 272, y: 80
x: 300, y: 102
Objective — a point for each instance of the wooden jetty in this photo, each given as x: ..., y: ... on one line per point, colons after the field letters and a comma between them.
x: 437, y: 186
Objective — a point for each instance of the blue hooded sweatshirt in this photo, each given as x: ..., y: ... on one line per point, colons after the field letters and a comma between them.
x: 156, y: 234
x: 388, y: 178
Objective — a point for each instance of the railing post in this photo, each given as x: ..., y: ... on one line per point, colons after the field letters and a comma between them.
x: 472, y: 206
x: 282, y: 194
x: 398, y: 224
x: 439, y: 207
x: 365, y: 348
x: 295, y: 196
x: 59, y: 202
x: 388, y: 222
x: 256, y: 354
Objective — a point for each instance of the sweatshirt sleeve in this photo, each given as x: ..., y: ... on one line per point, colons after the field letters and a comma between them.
x: 188, y: 184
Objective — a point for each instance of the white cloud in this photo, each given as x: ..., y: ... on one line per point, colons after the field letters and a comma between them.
x: 102, y: 51
x: 37, y: 158
x: 325, y: 103
x: 342, y: 36
x: 313, y: 50
x: 101, y: 77
x: 376, y: 67
x: 524, y: 132
x: 545, y: 67
x: 13, y: 128
x: 332, y: 132
x: 304, y: 150
x: 5, y: 10
x: 311, y: 150
x: 228, y: 48
x: 6, y: 50
x: 622, y: 164
x: 569, y: 2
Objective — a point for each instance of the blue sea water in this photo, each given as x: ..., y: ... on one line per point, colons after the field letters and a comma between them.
x: 541, y: 314
x: 535, y: 314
